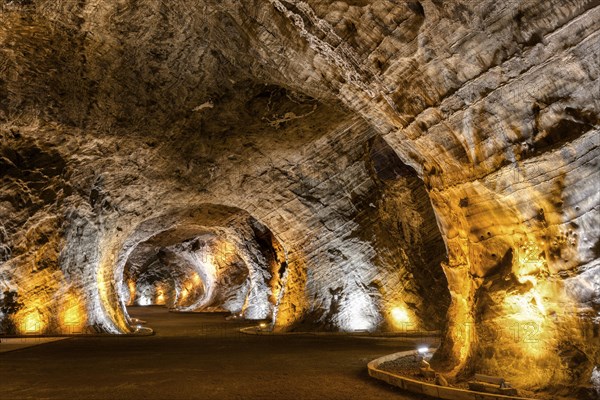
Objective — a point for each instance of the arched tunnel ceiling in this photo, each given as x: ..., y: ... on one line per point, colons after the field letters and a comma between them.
x: 230, y: 260
x: 440, y: 158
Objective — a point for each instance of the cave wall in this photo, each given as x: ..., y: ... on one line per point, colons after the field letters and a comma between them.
x: 496, y: 107
x: 135, y: 153
x: 277, y: 110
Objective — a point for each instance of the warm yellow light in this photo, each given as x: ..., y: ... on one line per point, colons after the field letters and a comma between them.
x: 160, y: 299
x: 529, y: 262
x: 32, y: 322
x: 196, y: 279
x: 526, y: 307
x: 72, y: 316
x: 400, y: 315
x: 131, y: 286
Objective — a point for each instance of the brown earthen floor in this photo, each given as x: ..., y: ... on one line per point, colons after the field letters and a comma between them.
x: 198, y: 356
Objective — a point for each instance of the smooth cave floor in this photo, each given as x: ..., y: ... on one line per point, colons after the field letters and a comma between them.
x: 198, y: 356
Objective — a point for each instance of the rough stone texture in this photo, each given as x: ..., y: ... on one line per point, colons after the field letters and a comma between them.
x: 321, y: 120
x: 234, y: 269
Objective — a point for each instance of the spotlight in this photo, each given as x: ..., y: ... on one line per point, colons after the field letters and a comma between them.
x: 423, y: 350
x: 400, y: 316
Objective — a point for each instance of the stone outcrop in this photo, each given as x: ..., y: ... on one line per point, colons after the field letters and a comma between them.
x: 436, y: 161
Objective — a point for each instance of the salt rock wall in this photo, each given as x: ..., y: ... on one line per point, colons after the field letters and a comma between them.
x: 496, y: 107
x: 287, y: 110
x: 158, y: 139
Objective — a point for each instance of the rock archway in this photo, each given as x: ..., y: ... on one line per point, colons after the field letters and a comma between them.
x: 220, y: 253
x: 231, y: 263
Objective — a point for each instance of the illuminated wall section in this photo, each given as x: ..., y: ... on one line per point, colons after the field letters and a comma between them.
x: 520, y: 273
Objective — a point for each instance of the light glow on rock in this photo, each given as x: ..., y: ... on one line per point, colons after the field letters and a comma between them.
x: 596, y: 379
x: 131, y: 286
x: 184, y: 294
x: 525, y: 307
x: 527, y: 322
x: 196, y: 279
x: 400, y: 317
x: 32, y: 322
x: 160, y: 297
x: 73, y: 316
x: 144, y: 295
x: 359, y: 313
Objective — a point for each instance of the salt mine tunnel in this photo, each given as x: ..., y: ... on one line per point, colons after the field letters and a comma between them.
x: 359, y: 199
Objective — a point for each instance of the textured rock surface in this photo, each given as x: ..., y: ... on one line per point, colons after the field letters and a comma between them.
x: 233, y: 268
x: 351, y: 130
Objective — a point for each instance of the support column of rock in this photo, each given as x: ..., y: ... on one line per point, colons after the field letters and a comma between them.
x: 497, y: 109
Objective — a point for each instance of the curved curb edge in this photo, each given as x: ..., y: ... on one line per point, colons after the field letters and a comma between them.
x: 429, y: 389
x: 255, y: 330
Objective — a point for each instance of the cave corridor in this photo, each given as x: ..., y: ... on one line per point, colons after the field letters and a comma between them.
x: 287, y: 199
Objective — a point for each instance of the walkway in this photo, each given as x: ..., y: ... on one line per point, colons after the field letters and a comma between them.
x: 198, y: 356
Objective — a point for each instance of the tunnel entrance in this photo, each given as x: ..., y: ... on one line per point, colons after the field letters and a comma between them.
x: 201, y: 273
x: 211, y: 258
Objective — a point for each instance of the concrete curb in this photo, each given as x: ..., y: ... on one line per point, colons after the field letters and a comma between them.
x: 255, y: 330
x: 143, y: 331
x: 429, y: 389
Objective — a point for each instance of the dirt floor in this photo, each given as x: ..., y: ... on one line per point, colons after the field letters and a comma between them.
x: 198, y: 356
x: 12, y: 344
